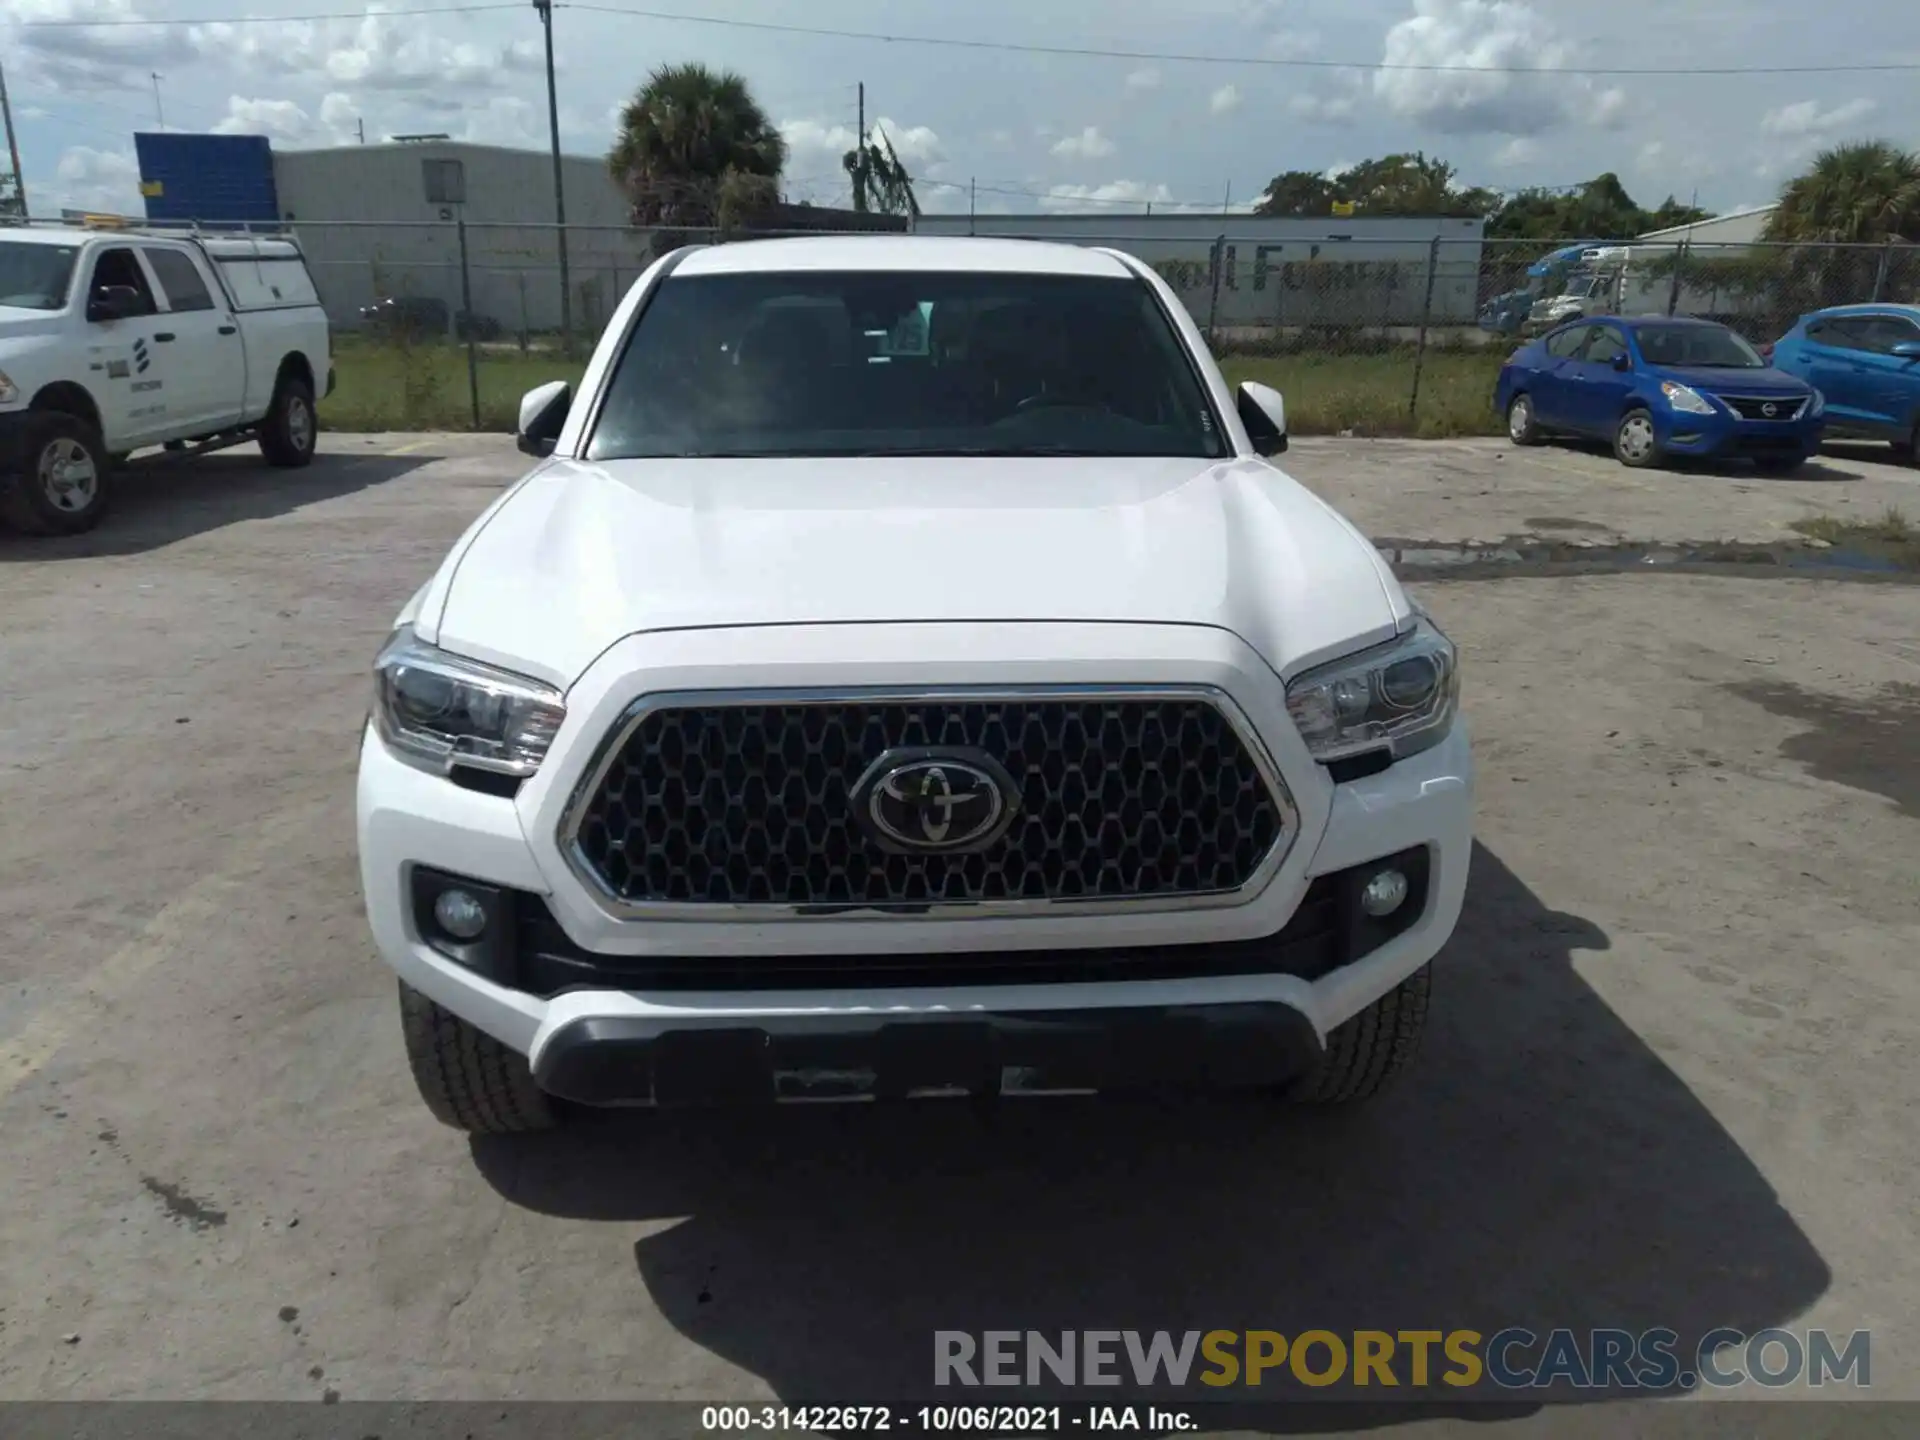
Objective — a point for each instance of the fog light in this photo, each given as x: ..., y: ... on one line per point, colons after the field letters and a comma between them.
x: 464, y: 917
x: 1386, y: 892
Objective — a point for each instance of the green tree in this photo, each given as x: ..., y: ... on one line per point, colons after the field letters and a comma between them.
x: 694, y: 142
x: 880, y: 181
x: 1866, y: 193
x: 1601, y: 209
x: 1402, y: 184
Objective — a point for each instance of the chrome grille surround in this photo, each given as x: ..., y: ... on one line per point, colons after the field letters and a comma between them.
x: 584, y: 822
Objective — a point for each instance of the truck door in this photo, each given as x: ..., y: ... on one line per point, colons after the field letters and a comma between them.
x: 124, y: 363
x: 207, y: 368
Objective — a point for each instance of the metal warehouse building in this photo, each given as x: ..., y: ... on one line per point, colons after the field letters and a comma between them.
x: 379, y: 220
x: 1275, y: 271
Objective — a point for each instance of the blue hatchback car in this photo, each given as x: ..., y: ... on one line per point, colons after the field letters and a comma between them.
x: 1866, y: 360
x: 1660, y: 388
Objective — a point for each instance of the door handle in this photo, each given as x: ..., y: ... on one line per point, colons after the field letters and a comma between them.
x: 229, y: 329
x: 164, y: 336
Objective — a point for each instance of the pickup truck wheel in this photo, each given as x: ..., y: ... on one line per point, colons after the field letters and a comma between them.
x: 63, y: 486
x: 468, y: 1079
x: 1364, y: 1054
x: 288, y: 433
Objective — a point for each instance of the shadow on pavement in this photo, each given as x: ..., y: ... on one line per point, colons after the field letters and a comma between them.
x: 159, y: 499
x: 1537, y: 1166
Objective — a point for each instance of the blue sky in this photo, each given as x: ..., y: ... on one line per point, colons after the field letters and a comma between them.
x: 1031, y: 131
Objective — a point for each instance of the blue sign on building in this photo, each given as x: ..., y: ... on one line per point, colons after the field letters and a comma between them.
x: 218, y: 181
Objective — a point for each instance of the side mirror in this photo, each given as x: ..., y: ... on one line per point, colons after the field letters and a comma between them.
x: 1623, y: 361
x: 115, y: 302
x: 543, y: 411
x: 1264, y: 414
x: 1907, y: 349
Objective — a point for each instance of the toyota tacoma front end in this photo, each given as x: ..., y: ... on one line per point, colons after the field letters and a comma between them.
x: 903, y: 673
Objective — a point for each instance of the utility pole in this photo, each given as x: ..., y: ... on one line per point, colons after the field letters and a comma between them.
x: 1226, y: 201
x: 158, y: 118
x: 860, y: 155
x: 13, y: 148
x: 545, y: 8
x: 971, y: 183
x: 361, y: 126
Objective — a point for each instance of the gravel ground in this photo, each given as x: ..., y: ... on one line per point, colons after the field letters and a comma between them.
x: 1670, y: 1078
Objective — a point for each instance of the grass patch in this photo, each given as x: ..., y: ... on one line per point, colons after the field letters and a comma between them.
x: 1372, y: 394
x: 424, y: 387
x: 1891, y: 537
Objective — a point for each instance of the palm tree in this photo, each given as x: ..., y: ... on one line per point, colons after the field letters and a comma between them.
x: 691, y: 143
x: 1862, y: 194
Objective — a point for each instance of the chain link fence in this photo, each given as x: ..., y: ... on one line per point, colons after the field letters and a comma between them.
x: 447, y: 324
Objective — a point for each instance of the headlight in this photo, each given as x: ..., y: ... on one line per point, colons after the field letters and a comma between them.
x: 1400, y: 697
x: 9, y: 392
x: 1819, y: 406
x: 1686, y: 398
x: 437, y: 710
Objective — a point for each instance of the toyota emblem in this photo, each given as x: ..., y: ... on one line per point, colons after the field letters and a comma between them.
x: 935, y: 800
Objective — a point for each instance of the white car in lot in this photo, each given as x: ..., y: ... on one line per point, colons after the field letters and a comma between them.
x: 111, y: 340
x: 904, y: 673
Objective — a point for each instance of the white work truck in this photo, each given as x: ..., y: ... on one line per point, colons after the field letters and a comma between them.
x: 113, y: 340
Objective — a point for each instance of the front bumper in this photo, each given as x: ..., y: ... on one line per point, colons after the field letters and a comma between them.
x: 1725, y: 437
x: 599, y: 1005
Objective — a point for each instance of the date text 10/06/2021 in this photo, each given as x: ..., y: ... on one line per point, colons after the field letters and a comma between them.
x: 933, y: 1419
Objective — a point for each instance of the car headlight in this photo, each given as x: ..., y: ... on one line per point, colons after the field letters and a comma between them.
x: 1400, y: 696
x: 437, y: 710
x: 1819, y: 406
x: 9, y: 392
x: 1686, y: 398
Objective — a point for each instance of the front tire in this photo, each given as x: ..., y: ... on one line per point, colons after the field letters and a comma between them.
x: 1365, y: 1054
x: 290, y: 431
x: 64, y: 486
x: 1522, y: 427
x: 468, y: 1079
x: 1635, y: 444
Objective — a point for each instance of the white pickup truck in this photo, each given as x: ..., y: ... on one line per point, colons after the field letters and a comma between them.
x: 111, y: 340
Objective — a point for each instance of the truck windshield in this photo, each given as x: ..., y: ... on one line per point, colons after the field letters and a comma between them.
x: 34, y: 277
x: 1714, y: 346
x: 898, y: 362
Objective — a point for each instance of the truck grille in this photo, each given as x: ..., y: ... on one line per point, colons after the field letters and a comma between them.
x: 1754, y: 407
x: 1126, y: 798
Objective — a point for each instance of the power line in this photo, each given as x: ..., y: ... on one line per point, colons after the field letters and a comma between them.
x: 1172, y: 57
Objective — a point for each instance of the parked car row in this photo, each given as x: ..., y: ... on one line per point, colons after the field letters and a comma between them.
x: 1666, y: 387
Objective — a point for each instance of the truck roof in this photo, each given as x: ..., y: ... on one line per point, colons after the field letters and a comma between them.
x: 221, y: 247
x: 902, y: 252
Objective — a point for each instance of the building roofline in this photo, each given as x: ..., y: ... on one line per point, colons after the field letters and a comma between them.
x: 1693, y: 225
x: 433, y: 144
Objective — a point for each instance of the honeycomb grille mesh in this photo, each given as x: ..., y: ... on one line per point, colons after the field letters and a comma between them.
x: 749, y: 804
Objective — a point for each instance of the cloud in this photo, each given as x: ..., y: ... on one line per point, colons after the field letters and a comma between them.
x: 90, y: 179
x: 1805, y: 117
x: 1225, y: 100
x: 116, y: 53
x: 1517, y: 151
x: 1147, y: 78
x: 1476, y: 95
x: 1323, y: 109
x: 276, y: 119
x: 1290, y: 44
x: 1089, y: 144
x: 818, y: 141
x: 1108, y: 197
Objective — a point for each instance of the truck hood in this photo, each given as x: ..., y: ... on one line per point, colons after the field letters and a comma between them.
x: 579, y: 556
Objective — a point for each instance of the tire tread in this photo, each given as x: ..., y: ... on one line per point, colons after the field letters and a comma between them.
x: 1365, y: 1054
x: 468, y: 1079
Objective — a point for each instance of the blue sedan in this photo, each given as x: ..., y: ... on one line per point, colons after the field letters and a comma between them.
x: 1660, y: 388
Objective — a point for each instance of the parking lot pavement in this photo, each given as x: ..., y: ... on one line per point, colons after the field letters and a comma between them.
x: 1670, y: 1078
x: 1487, y: 490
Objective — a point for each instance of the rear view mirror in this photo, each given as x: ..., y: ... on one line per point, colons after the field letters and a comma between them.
x: 1907, y: 349
x: 1264, y: 414
x: 543, y: 413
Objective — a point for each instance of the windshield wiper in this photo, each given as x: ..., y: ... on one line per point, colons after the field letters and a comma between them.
x: 971, y: 452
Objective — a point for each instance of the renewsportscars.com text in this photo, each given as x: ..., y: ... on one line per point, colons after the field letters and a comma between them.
x: 1510, y: 1359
